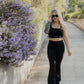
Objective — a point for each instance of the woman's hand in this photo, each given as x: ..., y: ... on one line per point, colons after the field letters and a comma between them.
x: 69, y: 53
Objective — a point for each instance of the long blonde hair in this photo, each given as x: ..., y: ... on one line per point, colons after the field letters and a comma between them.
x: 61, y: 21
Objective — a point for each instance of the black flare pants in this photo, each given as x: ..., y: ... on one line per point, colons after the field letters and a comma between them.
x: 55, y: 53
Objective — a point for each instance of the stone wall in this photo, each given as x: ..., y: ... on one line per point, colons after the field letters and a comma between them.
x: 78, y: 22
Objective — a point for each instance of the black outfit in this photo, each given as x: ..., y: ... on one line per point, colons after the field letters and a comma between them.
x: 55, y: 51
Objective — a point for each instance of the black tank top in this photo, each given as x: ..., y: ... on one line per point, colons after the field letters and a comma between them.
x: 55, y: 33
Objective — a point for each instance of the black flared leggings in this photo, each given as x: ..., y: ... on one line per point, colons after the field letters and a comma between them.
x: 55, y: 53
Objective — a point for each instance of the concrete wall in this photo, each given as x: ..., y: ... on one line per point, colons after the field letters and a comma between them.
x: 13, y: 75
x: 78, y: 22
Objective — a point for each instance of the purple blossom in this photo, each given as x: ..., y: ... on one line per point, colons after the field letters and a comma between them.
x: 18, y: 40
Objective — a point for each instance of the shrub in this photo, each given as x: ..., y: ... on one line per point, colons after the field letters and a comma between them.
x: 82, y: 10
x: 75, y: 15
x: 81, y: 16
x: 71, y: 10
x: 17, y: 40
x: 78, y: 15
x: 66, y: 17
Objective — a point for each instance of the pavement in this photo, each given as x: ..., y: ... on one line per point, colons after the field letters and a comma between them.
x: 72, y: 67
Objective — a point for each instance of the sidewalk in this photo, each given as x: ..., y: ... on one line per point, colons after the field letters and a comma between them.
x: 72, y: 67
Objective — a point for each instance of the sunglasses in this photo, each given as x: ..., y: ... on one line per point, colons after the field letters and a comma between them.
x: 54, y: 16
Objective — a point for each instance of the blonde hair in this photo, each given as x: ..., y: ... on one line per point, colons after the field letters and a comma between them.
x: 61, y: 21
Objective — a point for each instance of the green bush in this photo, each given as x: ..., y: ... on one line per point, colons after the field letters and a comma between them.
x: 81, y: 16
x: 71, y: 10
x: 78, y: 15
x: 82, y: 10
x: 75, y: 15
x: 66, y: 17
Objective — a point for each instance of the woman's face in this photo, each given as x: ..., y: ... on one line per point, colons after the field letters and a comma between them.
x: 55, y: 18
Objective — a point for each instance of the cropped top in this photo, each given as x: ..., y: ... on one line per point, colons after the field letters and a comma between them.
x: 55, y: 33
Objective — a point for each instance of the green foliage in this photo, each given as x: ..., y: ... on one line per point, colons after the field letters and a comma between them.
x: 71, y: 10
x: 79, y: 3
x: 72, y: 3
x: 76, y: 8
x: 48, y: 10
x: 75, y: 15
x: 42, y: 10
x: 82, y: 10
x: 61, y: 5
x: 78, y: 15
x: 66, y: 17
x: 81, y: 16
x: 27, y: 1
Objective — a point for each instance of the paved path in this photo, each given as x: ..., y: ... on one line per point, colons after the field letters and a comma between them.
x: 72, y: 67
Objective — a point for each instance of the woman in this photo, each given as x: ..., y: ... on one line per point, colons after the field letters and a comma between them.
x: 57, y: 34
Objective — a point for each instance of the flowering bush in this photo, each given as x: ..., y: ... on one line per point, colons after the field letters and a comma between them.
x: 17, y: 39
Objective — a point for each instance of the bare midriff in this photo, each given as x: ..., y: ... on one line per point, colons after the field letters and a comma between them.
x: 55, y: 39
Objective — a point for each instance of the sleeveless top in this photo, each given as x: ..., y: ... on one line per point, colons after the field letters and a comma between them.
x: 55, y: 33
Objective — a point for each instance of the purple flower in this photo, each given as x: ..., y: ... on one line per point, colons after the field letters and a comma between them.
x: 0, y: 58
x: 18, y: 40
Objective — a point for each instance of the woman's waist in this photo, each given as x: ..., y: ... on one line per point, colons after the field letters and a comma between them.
x: 56, y: 39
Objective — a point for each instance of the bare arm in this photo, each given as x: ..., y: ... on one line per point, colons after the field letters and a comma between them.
x: 66, y: 38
